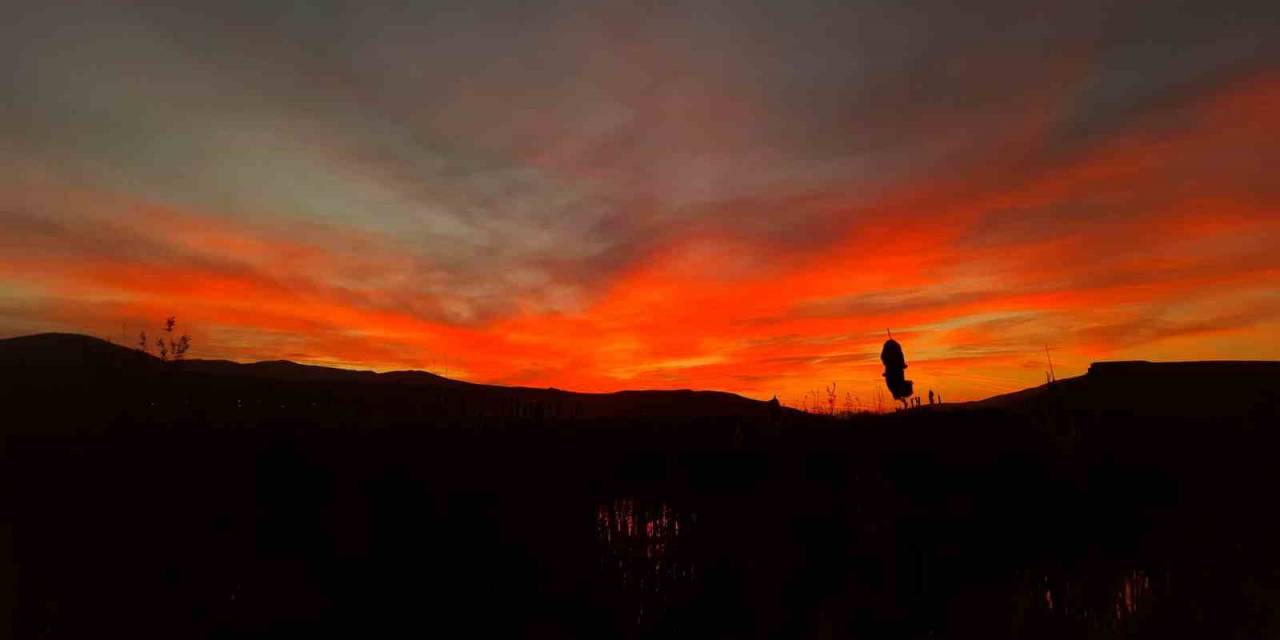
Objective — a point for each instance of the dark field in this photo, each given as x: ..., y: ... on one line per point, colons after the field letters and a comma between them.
x: 142, y: 500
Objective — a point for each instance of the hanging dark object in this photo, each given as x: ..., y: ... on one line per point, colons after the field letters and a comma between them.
x: 895, y: 369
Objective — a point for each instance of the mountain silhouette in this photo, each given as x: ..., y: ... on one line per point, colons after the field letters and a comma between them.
x: 1139, y: 387
x: 111, y: 376
x: 85, y: 381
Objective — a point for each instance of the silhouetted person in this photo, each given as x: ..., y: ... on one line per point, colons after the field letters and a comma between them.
x: 931, y: 396
x: 895, y: 368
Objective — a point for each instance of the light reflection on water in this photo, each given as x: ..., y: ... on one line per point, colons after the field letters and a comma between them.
x: 1134, y: 592
x: 1117, y: 604
x: 644, y: 548
x: 648, y: 563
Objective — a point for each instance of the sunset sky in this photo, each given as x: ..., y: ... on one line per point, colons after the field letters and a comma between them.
x: 597, y: 196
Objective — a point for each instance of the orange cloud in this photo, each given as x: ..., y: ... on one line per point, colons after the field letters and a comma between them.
x: 1157, y: 243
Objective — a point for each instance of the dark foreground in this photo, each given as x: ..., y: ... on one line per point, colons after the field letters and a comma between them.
x: 150, y: 501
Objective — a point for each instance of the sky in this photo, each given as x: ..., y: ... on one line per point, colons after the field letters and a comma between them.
x: 596, y: 196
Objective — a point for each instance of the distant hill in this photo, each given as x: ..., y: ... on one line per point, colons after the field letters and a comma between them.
x: 72, y: 361
x: 85, y: 380
x: 1199, y: 388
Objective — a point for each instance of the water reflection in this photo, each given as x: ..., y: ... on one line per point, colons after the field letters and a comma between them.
x: 645, y: 553
x: 1112, y: 604
x: 1135, y: 591
x: 661, y: 569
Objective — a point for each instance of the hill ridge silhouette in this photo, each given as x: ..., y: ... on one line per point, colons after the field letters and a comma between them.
x: 1139, y: 386
x: 76, y: 355
x: 60, y: 340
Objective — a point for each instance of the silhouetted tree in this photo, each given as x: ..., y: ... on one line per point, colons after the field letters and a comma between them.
x: 895, y: 367
x: 167, y: 347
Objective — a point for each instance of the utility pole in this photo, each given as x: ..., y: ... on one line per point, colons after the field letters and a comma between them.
x: 1052, y: 376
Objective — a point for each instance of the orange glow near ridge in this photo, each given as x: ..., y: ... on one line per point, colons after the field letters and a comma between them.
x: 1184, y: 266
